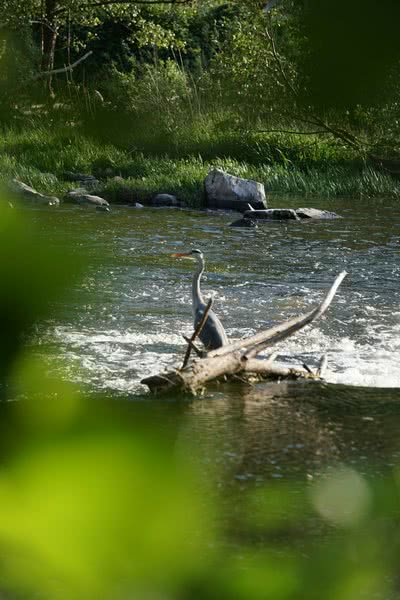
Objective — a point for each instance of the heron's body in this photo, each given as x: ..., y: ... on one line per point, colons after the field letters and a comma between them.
x: 213, y: 334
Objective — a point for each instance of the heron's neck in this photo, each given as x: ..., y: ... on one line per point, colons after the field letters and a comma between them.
x: 196, y: 292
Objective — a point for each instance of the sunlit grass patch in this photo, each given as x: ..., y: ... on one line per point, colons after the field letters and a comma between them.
x: 41, y: 157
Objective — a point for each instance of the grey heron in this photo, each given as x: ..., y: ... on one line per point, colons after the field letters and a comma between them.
x: 213, y: 334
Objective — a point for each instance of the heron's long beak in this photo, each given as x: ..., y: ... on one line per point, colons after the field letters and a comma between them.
x: 183, y: 255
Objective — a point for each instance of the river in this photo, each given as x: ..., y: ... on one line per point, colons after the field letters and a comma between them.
x: 125, y: 319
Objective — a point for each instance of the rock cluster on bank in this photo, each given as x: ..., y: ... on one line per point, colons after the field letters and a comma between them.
x: 222, y: 191
x: 225, y: 191
x: 83, y: 197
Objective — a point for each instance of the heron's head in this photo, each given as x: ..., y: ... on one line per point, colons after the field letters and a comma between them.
x: 192, y: 255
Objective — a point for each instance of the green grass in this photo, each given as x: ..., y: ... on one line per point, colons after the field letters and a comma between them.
x: 39, y: 156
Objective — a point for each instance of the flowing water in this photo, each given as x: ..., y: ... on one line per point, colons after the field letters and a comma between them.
x: 127, y: 315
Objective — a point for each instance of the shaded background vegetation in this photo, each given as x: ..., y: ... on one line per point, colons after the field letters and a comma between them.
x: 207, y: 76
x: 307, y: 87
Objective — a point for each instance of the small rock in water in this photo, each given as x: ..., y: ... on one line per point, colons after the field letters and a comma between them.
x: 245, y: 222
x: 51, y: 201
x: 289, y: 214
x: 272, y: 214
x: 90, y: 200
x: 81, y: 197
x: 315, y: 213
x: 72, y: 195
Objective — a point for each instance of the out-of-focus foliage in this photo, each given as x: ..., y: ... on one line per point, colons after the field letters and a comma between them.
x: 30, y: 278
x: 353, y: 50
x: 94, y: 504
x: 95, y: 500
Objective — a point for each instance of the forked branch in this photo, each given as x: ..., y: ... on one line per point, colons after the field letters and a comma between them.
x: 257, y: 343
x: 197, y: 332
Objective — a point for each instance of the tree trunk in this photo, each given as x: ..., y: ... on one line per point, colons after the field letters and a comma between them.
x: 50, y: 34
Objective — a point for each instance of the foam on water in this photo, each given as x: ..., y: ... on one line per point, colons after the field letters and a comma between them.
x: 351, y: 363
x: 114, y: 359
x: 118, y: 360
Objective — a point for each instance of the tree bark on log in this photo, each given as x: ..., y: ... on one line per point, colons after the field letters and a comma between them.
x: 241, y: 357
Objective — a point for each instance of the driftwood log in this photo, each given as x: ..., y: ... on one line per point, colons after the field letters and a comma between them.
x: 239, y: 359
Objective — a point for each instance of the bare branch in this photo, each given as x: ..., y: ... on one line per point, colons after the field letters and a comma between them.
x: 63, y: 69
x: 320, y: 132
x: 280, y: 66
x: 266, y: 369
x: 258, y: 342
x: 45, y: 24
x: 197, y: 332
x: 193, y: 346
x: 323, y: 365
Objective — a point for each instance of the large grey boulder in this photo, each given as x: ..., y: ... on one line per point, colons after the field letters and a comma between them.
x: 28, y: 194
x: 80, y: 196
x: 229, y: 192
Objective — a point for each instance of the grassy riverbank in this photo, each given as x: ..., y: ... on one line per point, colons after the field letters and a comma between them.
x: 40, y: 156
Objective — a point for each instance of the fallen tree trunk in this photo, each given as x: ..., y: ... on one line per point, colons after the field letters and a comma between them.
x: 239, y: 358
